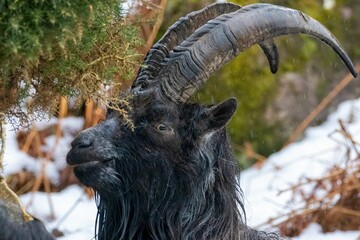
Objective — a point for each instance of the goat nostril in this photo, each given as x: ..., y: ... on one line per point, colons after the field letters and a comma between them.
x: 84, y: 145
x: 81, y: 143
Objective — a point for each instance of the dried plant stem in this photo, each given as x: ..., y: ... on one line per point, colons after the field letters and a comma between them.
x: 10, y: 200
x: 2, y: 141
x: 250, y: 152
x: 311, y: 180
x: 63, y: 108
x: 348, y: 211
x: 159, y: 20
x: 333, y: 198
x: 42, y: 178
x: 29, y: 140
x: 89, y: 109
x: 319, y: 108
x: 115, y: 57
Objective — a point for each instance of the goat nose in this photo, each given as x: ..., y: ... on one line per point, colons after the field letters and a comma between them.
x: 81, y: 142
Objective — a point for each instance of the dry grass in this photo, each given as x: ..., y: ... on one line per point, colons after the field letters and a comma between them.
x: 333, y: 200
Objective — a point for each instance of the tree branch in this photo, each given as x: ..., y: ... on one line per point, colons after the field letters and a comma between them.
x: 9, y: 201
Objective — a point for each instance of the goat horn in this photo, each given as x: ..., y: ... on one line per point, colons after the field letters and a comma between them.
x: 272, y: 54
x: 190, y: 64
x: 180, y: 31
x: 177, y: 33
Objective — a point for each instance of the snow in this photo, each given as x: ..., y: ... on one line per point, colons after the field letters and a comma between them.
x: 16, y: 160
x: 321, y: 147
x: 310, y: 157
x: 77, y: 225
x: 314, y: 232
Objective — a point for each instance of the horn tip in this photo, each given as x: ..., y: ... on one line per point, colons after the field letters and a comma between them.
x: 354, y: 73
x: 274, y: 68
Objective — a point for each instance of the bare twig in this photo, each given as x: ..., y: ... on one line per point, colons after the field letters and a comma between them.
x: 331, y: 200
x: 2, y: 140
x: 159, y: 20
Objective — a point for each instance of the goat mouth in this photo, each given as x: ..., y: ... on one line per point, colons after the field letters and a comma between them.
x: 85, y: 164
x: 77, y: 158
x: 92, y: 163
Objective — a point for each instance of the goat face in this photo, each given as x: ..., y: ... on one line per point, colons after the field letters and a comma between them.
x: 112, y: 157
x: 162, y: 179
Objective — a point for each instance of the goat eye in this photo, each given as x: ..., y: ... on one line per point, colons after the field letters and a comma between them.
x: 162, y: 127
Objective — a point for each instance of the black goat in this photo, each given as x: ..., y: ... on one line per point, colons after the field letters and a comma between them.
x: 174, y: 176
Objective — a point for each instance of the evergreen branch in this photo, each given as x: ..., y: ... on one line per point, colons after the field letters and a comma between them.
x: 117, y: 57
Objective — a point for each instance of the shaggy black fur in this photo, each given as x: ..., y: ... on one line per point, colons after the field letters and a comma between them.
x: 173, y: 177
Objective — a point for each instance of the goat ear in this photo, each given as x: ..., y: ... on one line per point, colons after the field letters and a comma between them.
x: 219, y: 115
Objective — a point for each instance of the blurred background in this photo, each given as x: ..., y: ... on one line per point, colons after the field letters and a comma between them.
x: 63, y: 62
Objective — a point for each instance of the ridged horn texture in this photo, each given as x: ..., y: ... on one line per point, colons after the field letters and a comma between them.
x: 185, y: 69
x: 177, y: 33
x: 180, y: 31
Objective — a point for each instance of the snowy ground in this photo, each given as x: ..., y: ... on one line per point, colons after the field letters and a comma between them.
x: 320, y: 149
x: 75, y: 213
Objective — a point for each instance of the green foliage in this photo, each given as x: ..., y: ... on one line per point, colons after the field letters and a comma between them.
x: 68, y: 48
x: 33, y: 28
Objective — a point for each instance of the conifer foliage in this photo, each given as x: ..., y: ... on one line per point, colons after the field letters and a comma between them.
x: 67, y: 48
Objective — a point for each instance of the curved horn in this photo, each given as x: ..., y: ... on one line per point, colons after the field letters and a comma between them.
x: 177, y: 33
x: 190, y: 64
x: 180, y: 31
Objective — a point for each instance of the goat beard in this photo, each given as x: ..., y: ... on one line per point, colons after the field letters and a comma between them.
x: 168, y: 204
x: 130, y: 215
x: 166, y: 211
x: 107, y: 180
x: 132, y: 211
